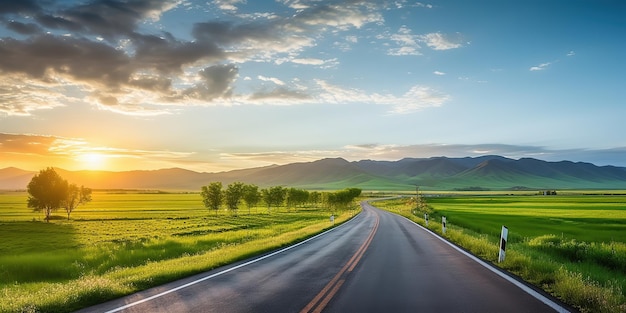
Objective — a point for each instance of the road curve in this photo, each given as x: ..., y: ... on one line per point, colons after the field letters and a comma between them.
x: 377, y: 262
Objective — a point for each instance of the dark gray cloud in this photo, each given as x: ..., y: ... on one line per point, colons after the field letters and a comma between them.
x: 228, y: 33
x: 57, y: 22
x: 24, y: 28
x: 19, y: 6
x: 99, y: 48
x: 80, y: 59
x: 216, y: 82
x: 280, y: 93
x: 107, y: 18
x: 166, y: 54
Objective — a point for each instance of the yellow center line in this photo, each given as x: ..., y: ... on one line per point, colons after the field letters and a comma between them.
x: 333, y: 286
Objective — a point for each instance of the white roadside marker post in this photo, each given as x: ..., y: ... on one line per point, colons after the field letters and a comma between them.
x: 503, y: 236
x: 426, y: 218
x: 443, y: 224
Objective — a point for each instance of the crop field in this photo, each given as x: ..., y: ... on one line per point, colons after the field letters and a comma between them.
x: 573, y: 246
x: 589, y: 218
x: 122, y: 242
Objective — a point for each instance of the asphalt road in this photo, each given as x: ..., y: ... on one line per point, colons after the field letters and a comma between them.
x: 377, y: 262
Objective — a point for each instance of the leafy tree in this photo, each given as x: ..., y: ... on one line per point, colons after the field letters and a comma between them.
x: 232, y: 195
x: 353, y: 192
x: 251, y: 195
x: 212, y: 196
x: 47, y: 192
x: 75, y: 197
x: 296, y: 197
x: 315, y: 197
x: 274, y: 196
x: 341, y: 199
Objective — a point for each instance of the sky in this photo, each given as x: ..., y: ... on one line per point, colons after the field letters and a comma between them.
x: 214, y: 86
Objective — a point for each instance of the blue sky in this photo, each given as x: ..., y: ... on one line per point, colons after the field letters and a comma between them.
x: 219, y: 85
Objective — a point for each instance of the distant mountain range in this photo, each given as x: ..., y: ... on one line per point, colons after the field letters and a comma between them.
x: 437, y: 173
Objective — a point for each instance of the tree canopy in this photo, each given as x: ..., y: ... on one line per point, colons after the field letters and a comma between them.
x: 47, y: 192
x: 75, y: 197
x: 212, y: 196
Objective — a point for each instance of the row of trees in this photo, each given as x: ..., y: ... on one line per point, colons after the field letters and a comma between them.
x: 214, y: 196
x: 48, y: 191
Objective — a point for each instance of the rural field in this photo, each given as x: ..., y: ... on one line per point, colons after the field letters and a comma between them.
x: 122, y: 242
x: 573, y: 246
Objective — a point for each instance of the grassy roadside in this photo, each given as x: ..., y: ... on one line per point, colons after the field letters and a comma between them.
x: 584, y: 282
x: 122, y: 244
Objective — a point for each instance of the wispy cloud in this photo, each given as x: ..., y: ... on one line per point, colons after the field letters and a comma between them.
x: 272, y: 79
x: 439, y: 73
x: 439, y: 41
x: 540, y: 67
x: 393, y: 152
x: 228, y: 5
x: 600, y: 157
x: 407, y: 43
x: 69, y: 152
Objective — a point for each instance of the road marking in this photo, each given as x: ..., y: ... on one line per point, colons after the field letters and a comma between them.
x: 547, y: 301
x: 329, y: 291
x: 224, y: 271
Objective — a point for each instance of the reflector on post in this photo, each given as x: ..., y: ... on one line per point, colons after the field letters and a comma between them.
x: 503, y: 235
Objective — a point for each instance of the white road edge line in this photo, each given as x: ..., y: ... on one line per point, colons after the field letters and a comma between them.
x: 226, y: 270
x: 557, y: 307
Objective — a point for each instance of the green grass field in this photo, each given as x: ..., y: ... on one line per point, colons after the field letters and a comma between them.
x: 124, y: 242
x: 584, y: 218
x: 573, y: 246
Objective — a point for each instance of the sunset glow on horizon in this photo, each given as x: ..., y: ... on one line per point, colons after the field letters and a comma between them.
x: 220, y: 85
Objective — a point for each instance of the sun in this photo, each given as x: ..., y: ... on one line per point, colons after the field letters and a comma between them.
x: 93, y: 160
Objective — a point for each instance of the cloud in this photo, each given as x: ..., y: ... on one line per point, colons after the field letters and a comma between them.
x: 571, y: 53
x: 215, y: 82
x: 112, y: 54
x: 40, y: 97
x: 406, y: 41
x: 271, y: 79
x: 24, y: 28
x: 317, y: 62
x: 62, y: 151
x: 439, y: 73
x: 109, y: 19
x: 323, y: 92
x: 229, y: 5
x: 417, y: 98
x: 600, y: 157
x: 439, y: 41
x: 341, y: 16
x: 409, y: 44
x: 540, y: 67
x: 393, y: 152
x: 22, y: 6
x: 280, y: 96
x: 255, y: 159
